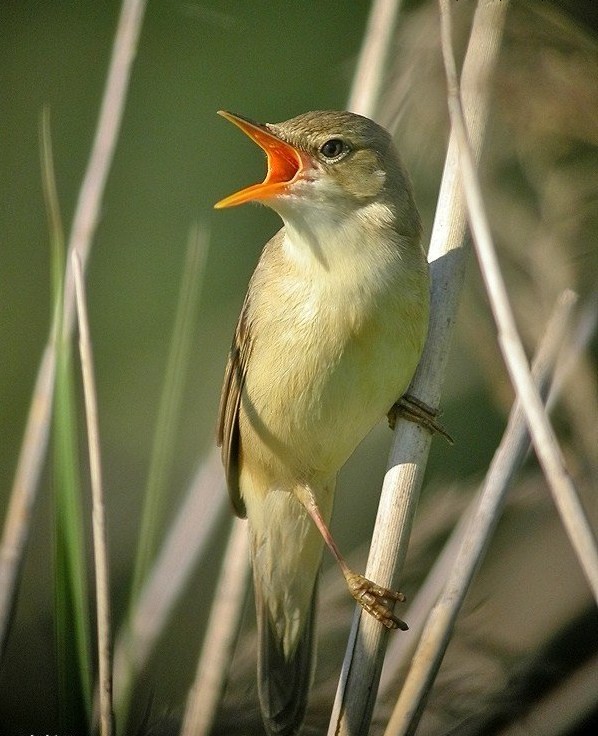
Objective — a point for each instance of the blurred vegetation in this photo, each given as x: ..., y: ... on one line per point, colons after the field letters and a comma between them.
x: 175, y: 158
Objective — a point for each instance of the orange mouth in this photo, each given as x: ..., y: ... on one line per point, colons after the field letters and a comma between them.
x: 285, y: 163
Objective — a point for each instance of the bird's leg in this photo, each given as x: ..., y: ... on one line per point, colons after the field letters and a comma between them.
x: 416, y: 411
x: 371, y: 597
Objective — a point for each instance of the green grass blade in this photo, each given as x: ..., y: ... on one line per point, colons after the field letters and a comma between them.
x: 169, y: 409
x: 70, y: 575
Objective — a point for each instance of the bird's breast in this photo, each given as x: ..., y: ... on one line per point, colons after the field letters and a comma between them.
x: 328, y: 359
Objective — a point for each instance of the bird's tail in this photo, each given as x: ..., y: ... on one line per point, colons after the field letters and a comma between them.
x: 286, y: 554
x: 284, y: 681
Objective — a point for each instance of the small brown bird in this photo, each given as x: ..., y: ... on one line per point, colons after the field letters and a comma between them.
x: 329, y: 336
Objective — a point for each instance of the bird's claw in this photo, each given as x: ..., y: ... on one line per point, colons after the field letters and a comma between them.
x: 372, y: 598
x: 414, y: 410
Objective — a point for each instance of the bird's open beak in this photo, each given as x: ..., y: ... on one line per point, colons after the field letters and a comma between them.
x: 285, y: 163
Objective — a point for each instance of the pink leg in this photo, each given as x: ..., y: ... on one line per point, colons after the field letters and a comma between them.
x: 371, y: 597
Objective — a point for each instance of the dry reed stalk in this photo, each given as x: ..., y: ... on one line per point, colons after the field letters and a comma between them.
x: 473, y: 536
x: 221, y: 635
x: 357, y: 690
x: 100, y: 544
x: 369, y: 75
x: 544, y: 440
x: 400, y: 651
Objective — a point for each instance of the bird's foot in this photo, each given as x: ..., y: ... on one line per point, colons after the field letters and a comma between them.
x: 414, y: 410
x: 373, y: 599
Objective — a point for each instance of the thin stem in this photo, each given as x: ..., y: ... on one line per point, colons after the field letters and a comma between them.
x: 170, y: 403
x: 37, y: 428
x: 475, y: 535
x: 221, y: 635
x: 100, y: 545
x: 400, y: 651
x: 87, y: 211
x: 369, y: 75
x: 362, y: 665
x: 543, y: 438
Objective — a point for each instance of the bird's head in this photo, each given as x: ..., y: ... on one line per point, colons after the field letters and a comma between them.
x: 330, y: 160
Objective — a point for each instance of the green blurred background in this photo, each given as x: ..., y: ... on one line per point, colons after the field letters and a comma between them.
x: 175, y: 158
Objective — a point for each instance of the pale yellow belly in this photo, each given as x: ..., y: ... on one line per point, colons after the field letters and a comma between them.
x: 312, y: 393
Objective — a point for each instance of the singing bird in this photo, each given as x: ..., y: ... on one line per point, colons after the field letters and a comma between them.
x: 329, y: 336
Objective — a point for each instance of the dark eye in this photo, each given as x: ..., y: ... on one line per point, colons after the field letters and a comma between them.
x: 333, y: 148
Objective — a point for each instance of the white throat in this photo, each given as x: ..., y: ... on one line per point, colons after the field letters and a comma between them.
x: 334, y: 239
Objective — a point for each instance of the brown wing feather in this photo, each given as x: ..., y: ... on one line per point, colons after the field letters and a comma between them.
x: 236, y: 369
x: 227, y: 435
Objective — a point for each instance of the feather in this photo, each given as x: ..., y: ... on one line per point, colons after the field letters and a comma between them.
x: 284, y: 682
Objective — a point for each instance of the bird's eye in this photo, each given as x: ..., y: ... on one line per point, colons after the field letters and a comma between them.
x: 333, y: 148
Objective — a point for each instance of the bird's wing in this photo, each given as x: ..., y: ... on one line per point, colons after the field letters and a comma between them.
x: 230, y: 399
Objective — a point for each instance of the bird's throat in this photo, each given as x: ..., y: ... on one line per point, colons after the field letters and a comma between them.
x: 344, y: 244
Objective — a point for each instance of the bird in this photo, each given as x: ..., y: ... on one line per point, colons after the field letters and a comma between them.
x: 329, y: 336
